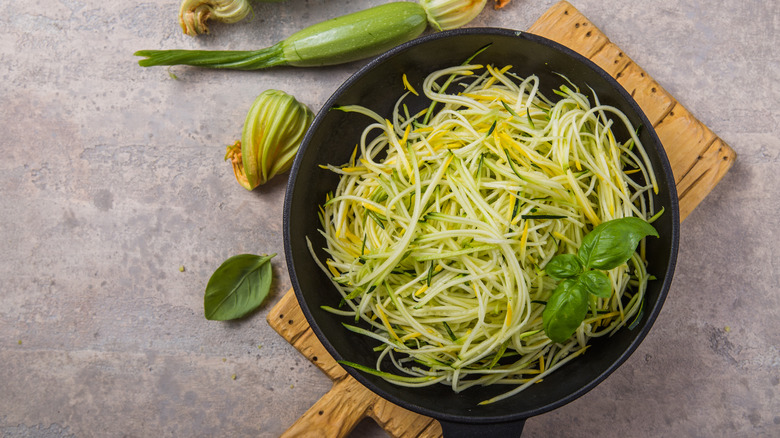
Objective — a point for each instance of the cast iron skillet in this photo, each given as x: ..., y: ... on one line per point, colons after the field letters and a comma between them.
x: 332, y: 138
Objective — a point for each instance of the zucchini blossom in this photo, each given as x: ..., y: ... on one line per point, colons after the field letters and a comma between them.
x: 193, y: 14
x: 451, y: 14
x: 273, y: 130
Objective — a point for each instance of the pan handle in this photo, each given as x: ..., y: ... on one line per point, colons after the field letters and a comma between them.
x: 491, y: 430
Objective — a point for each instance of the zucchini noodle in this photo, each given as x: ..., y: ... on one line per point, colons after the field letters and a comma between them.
x: 443, y: 221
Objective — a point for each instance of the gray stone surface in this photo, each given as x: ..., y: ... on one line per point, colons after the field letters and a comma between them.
x: 112, y: 177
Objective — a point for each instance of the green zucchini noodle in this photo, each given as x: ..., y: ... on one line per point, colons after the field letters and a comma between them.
x: 443, y: 221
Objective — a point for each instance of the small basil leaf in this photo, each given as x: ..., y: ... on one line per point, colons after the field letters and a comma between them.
x: 565, y: 310
x: 563, y: 266
x: 612, y: 243
x: 238, y: 287
x: 597, y: 283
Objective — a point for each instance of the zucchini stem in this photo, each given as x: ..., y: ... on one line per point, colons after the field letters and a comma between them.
x: 228, y: 59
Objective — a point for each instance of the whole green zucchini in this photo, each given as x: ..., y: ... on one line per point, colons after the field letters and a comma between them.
x: 343, y: 39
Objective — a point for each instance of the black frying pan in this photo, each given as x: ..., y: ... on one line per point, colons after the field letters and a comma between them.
x: 332, y: 138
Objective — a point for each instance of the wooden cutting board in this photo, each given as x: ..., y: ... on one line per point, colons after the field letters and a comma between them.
x: 699, y: 160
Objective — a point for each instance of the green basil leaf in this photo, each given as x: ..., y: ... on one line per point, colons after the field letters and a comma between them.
x: 597, y: 283
x: 563, y: 266
x: 612, y: 243
x: 565, y: 310
x: 238, y: 287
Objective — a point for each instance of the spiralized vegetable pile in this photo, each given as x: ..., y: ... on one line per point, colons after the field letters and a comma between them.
x: 442, y: 223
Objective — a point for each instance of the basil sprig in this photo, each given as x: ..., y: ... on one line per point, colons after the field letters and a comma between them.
x: 608, y: 246
x: 238, y: 287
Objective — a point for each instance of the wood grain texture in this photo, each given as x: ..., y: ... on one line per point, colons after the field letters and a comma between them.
x: 399, y: 422
x: 336, y: 413
x: 564, y: 24
x: 699, y: 160
x: 287, y: 318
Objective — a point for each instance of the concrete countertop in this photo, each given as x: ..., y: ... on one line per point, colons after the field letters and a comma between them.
x: 112, y: 178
